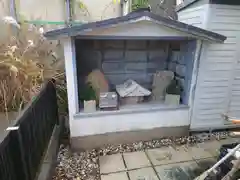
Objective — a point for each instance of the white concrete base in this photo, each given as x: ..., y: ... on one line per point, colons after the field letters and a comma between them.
x: 129, y: 120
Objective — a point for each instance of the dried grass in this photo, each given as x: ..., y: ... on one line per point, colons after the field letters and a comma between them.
x: 27, y: 59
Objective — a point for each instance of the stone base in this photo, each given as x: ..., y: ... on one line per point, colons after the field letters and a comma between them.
x: 97, y: 141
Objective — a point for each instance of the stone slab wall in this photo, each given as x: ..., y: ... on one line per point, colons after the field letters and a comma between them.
x: 181, y: 62
x: 121, y: 60
x: 177, y: 64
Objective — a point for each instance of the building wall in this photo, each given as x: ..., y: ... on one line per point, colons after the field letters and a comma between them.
x: 167, y: 8
x: 136, y: 59
x: 195, y: 14
x: 121, y: 60
x: 224, y: 19
x: 55, y: 10
x: 4, y: 8
x: 181, y: 62
x: 218, y: 83
x: 83, y: 10
x: 46, y: 10
x: 130, y: 121
x: 96, y: 10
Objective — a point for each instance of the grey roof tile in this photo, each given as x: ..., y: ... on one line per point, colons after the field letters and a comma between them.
x: 76, y: 30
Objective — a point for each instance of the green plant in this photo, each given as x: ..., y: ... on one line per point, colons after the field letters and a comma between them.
x: 136, y: 4
x: 174, y: 88
x: 87, y: 93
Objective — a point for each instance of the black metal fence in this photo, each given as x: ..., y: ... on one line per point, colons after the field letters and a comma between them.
x: 22, y: 150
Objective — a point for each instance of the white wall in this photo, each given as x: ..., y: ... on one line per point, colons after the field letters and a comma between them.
x: 195, y: 14
x: 53, y: 10
x: 225, y: 20
x: 84, y: 126
x: 96, y: 10
x: 4, y: 8
x: 218, y: 83
x: 179, y: 2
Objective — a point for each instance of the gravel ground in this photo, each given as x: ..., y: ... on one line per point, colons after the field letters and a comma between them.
x: 85, y: 165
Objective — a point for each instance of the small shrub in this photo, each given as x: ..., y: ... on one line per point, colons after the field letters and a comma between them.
x: 174, y: 88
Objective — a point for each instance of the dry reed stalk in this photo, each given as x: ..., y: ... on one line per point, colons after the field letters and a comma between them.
x: 27, y: 59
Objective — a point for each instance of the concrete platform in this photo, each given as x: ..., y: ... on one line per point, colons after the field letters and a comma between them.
x: 96, y: 141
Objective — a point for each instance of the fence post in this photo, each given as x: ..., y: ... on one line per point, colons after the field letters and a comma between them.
x: 54, y: 94
x: 22, y: 152
x: 14, y: 133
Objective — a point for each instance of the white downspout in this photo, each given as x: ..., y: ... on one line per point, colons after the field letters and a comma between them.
x: 125, y: 7
x: 13, y: 9
x: 68, y: 12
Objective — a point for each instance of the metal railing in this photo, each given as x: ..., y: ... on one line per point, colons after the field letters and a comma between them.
x: 22, y: 150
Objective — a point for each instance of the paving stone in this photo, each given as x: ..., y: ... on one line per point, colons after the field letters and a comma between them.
x: 143, y: 174
x: 111, y: 163
x: 168, y: 155
x: 198, y: 152
x: 115, y: 176
x: 136, y: 160
x: 229, y: 141
x: 179, y: 171
x: 205, y: 164
x: 212, y: 147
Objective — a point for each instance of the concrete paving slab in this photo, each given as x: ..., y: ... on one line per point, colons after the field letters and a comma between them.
x: 212, y: 147
x: 115, y: 176
x: 168, y: 155
x: 198, y: 152
x: 178, y: 171
x: 229, y: 141
x: 205, y: 164
x: 135, y: 160
x: 111, y: 163
x: 143, y: 174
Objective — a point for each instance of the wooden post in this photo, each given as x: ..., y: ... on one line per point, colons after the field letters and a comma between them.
x: 16, y: 134
x: 25, y: 166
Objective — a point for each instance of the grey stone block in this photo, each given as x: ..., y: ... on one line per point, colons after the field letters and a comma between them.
x: 181, y: 81
x: 175, y: 55
x: 152, y: 67
x: 97, y: 44
x: 181, y: 70
x: 181, y: 60
x: 136, y: 56
x: 136, y: 67
x: 115, y: 79
x: 157, y: 45
x: 91, y: 55
x: 90, y: 60
x: 172, y: 66
x: 113, y: 67
x: 157, y: 55
x: 111, y: 55
x: 135, y: 44
x: 141, y: 78
x: 113, y: 44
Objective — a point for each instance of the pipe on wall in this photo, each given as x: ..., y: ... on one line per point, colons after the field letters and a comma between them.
x: 121, y: 7
x: 125, y: 7
x: 12, y: 9
x: 68, y: 12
